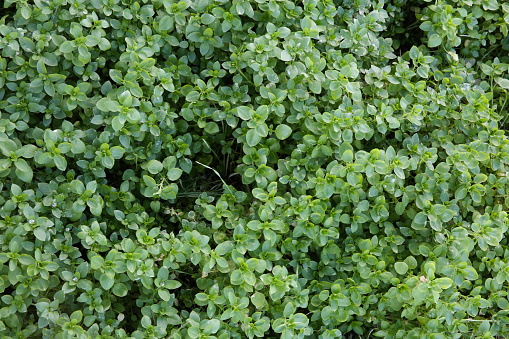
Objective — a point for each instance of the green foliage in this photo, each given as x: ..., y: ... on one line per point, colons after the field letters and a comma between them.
x: 254, y: 169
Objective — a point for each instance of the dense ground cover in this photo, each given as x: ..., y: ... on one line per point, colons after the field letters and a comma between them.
x: 254, y: 168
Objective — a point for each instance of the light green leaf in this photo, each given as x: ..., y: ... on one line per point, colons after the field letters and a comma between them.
x: 154, y: 166
x: 252, y: 138
x: 434, y: 40
x: 283, y: 131
x: 106, y: 282
x: 116, y: 124
x: 172, y: 284
x: 166, y: 23
x: 444, y: 283
x: 23, y: 171
x: 108, y: 105
x: 504, y: 83
x: 7, y: 146
x: 40, y: 233
x: 174, y: 174
x: 60, y: 162
x: 347, y: 156
x: 258, y: 299
x: 119, y: 289
x: 125, y: 99
x: 26, y: 259
x: 67, y: 47
x: 401, y: 267
x: 211, y: 128
x: 244, y: 112
x: 77, y: 316
x: 223, y: 248
x: 164, y: 294
x: 96, y: 262
x: 149, y: 181
x: 117, y: 152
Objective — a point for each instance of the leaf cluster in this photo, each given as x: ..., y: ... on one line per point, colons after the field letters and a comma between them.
x: 254, y: 169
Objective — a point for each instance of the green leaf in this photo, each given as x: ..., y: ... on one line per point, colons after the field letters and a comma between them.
x: 253, y: 138
x: 164, y: 294
x: 249, y: 278
x: 117, y: 152
x: 211, y: 128
x: 26, y: 12
x: 414, y: 52
x: 96, y: 262
x: 315, y: 86
x: 26, y: 259
x: 244, y: 112
x: 174, y: 174
x: 289, y: 310
x: 193, y: 96
x: 117, y: 124
x: 258, y: 299
x: 125, y: 99
x: 461, y: 193
x: 148, y: 63
x: 283, y: 131
x: 92, y: 41
x: 154, y: 166
x: 347, y: 156
x: 236, y: 278
x: 28, y: 151
x: 300, y: 320
x: 106, y: 282
x: 444, y: 283
x: 67, y: 47
x: 149, y: 181
x: 23, y: 171
x: 60, y: 162
x: 77, y: 316
x: 163, y: 273
x: 108, y: 105
x: 447, y: 215
x: 104, y: 104
x: 166, y: 23
x: 172, y: 284
x: 421, y: 218
x: 40, y: 233
x: 476, y: 196
x: 223, y: 248
x: 207, y: 19
x: 120, y: 290
x: 95, y: 206
x: 504, y: 83
x: 401, y: 267
x: 7, y: 147
x: 128, y: 245
x: 434, y: 40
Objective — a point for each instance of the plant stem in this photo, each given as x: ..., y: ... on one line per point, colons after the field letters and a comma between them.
x: 219, y: 175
